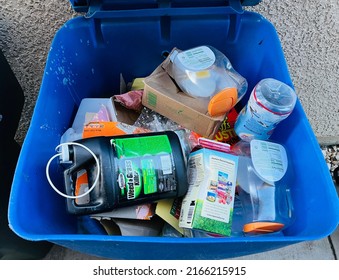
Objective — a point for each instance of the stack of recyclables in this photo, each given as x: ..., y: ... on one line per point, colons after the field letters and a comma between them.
x: 85, y: 61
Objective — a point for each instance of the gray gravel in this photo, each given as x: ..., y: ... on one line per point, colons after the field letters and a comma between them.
x: 331, y: 154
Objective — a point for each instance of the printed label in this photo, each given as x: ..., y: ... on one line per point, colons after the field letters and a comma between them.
x: 94, y: 129
x: 226, y: 131
x: 197, y: 59
x: 196, y: 176
x: 208, y: 204
x: 152, y: 99
x: 145, y: 166
x: 256, y: 122
x: 133, y: 180
x: 219, y: 196
x: 175, y: 208
x: 269, y: 160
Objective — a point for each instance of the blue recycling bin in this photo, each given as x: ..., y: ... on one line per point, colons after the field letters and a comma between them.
x: 87, y: 55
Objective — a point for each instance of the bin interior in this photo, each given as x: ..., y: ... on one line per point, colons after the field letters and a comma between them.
x: 85, y: 60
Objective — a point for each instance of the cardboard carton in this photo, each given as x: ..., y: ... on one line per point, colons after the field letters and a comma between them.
x: 208, y: 204
x: 162, y: 95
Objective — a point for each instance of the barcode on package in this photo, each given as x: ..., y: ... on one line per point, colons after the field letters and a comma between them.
x: 166, y: 165
x: 190, y: 213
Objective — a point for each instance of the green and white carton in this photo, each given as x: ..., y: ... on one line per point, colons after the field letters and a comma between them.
x: 208, y: 204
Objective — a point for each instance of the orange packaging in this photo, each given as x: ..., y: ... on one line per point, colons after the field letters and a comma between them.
x: 226, y: 131
x: 81, y: 187
x: 94, y: 129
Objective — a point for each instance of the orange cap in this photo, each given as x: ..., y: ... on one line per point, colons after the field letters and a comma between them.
x: 222, y: 102
x: 262, y: 227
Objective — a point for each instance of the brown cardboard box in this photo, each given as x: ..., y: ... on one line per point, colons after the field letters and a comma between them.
x: 162, y: 95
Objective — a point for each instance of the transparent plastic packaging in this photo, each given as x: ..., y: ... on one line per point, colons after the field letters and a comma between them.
x: 271, y: 101
x: 205, y: 72
x: 263, y: 202
x: 169, y: 231
x: 153, y: 121
x: 90, y: 110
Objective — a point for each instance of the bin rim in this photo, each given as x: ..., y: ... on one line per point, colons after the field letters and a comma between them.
x: 56, y: 238
x: 86, y: 5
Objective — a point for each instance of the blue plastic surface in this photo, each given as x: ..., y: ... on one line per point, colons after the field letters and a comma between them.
x: 85, y: 5
x: 86, y: 59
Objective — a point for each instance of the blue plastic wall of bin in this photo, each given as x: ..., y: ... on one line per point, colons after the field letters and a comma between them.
x: 86, y: 58
x: 11, y: 104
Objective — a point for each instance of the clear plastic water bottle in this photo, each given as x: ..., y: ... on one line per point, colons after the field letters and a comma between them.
x: 271, y: 101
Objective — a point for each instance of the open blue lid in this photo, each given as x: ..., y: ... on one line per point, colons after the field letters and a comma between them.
x: 84, y: 5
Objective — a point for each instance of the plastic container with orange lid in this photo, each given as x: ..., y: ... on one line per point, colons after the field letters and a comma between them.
x: 263, y: 189
x: 205, y: 72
